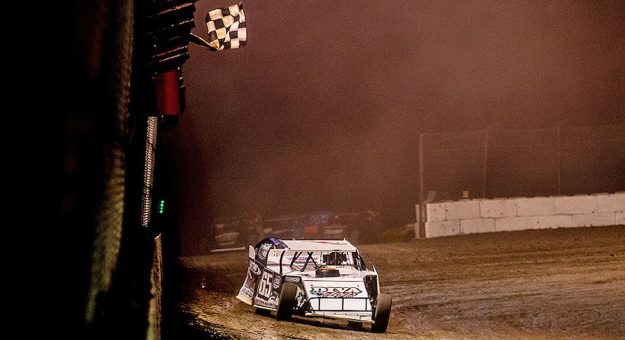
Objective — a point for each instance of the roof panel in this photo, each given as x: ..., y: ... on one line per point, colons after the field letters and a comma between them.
x: 321, y: 245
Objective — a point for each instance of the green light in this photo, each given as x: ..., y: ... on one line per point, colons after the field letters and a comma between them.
x: 161, y: 208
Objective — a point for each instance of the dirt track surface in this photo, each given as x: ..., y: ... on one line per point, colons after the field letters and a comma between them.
x: 541, y: 284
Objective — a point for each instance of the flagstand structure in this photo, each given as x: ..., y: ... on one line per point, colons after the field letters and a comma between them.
x: 167, y: 26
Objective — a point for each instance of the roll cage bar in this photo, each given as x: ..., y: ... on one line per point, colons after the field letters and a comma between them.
x: 296, y: 256
x: 359, y: 262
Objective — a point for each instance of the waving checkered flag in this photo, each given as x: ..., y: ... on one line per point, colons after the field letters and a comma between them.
x: 226, y: 27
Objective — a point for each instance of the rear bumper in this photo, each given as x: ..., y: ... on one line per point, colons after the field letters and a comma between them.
x: 364, y: 317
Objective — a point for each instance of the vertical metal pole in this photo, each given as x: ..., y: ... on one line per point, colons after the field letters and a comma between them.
x: 417, y: 230
x: 485, y: 166
x: 421, y: 196
x: 148, y: 170
x: 559, y: 133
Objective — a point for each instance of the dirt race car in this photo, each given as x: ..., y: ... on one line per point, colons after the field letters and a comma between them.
x: 322, y: 278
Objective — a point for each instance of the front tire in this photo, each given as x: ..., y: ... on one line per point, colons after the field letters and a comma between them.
x: 287, y: 301
x: 382, y: 313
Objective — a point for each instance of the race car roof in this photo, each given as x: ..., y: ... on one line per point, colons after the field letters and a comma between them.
x: 321, y: 245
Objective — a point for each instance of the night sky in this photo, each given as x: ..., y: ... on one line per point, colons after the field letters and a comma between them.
x: 322, y: 108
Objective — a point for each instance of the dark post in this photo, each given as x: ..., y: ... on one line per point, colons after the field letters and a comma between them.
x: 421, y: 198
x: 559, y: 133
x: 485, y: 162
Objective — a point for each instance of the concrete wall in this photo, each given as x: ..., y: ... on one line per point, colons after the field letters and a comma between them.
x: 523, y: 213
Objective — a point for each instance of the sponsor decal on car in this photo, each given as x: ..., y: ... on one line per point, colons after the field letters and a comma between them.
x: 335, y: 292
x: 264, y: 289
x: 277, y: 281
x: 263, y: 251
x: 247, y: 290
x: 300, y: 298
x: 246, y: 293
x: 292, y: 279
x: 254, y: 268
x: 271, y: 303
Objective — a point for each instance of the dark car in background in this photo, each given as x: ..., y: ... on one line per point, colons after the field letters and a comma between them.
x: 234, y: 233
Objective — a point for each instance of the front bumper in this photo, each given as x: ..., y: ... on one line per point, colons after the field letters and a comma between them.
x: 349, y: 308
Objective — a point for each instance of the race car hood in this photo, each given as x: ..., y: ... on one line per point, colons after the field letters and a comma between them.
x: 349, y: 284
x: 338, y: 296
x: 325, y: 288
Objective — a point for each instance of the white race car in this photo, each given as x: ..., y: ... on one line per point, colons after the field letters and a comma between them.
x: 325, y: 278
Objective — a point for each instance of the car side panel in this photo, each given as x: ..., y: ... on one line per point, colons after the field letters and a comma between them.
x: 268, y: 289
x: 254, y: 271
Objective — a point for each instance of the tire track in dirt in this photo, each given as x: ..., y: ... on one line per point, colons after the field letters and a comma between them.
x: 565, y: 283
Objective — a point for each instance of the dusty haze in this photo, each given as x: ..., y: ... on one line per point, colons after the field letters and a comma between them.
x: 323, y: 107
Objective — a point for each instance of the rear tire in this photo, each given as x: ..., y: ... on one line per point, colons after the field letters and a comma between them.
x: 382, y: 313
x: 287, y: 301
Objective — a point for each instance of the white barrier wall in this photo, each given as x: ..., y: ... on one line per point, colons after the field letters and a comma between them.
x: 508, y: 214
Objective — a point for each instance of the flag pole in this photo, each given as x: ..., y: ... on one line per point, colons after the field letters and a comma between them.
x: 166, y: 42
x: 164, y: 47
x: 200, y: 41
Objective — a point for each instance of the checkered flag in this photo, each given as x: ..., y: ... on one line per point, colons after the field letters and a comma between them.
x: 226, y: 27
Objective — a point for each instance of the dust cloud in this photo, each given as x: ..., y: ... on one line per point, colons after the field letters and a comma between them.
x: 323, y: 107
